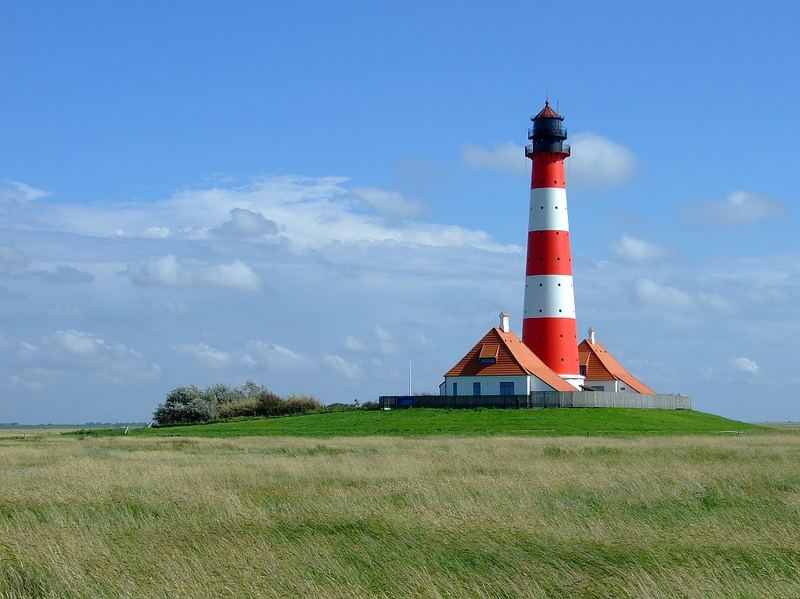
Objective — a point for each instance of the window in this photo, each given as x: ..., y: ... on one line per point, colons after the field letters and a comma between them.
x: 622, y: 388
x: 507, y: 388
x: 583, y: 370
x: 488, y: 354
x: 599, y: 387
x: 476, y: 388
x: 455, y: 388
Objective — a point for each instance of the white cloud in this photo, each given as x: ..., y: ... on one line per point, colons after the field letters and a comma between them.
x: 595, y: 162
x: 354, y: 344
x: 34, y: 379
x: 204, y: 353
x: 387, y: 202
x: 507, y: 156
x: 157, y: 232
x: 386, y: 341
x: 246, y: 224
x: 313, y: 213
x: 663, y: 297
x: 16, y: 192
x: 60, y: 274
x: 633, y: 249
x: 76, y: 342
x: 113, y: 362
x: 350, y: 370
x: 745, y: 365
x: 168, y: 270
x: 273, y: 357
x: 739, y: 208
x: 598, y: 162
x: 11, y: 260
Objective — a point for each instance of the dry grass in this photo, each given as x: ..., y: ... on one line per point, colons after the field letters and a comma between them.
x: 435, y: 517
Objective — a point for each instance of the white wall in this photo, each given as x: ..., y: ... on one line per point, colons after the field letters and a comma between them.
x: 609, y: 385
x: 490, y: 385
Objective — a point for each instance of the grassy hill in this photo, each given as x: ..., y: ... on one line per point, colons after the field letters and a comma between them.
x: 481, y: 422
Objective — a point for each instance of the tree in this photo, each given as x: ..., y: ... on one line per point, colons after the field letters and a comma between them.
x: 183, y: 405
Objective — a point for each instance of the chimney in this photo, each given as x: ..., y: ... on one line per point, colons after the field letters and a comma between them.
x: 504, y: 320
x: 591, y: 335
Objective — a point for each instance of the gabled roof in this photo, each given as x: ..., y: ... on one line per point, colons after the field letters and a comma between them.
x: 513, y: 359
x: 602, y: 366
x: 547, y: 113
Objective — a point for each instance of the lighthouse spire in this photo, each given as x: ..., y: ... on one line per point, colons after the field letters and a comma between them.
x: 549, y: 327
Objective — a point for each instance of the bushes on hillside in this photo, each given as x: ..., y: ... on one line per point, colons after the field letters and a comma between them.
x: 183, y: 405
x: 188, y: 404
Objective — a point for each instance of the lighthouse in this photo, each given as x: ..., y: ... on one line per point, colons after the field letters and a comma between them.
x: 549, y: 327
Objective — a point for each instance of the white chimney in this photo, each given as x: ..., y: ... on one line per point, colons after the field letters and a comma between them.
x: 504, y: 321
x: 591, y: 335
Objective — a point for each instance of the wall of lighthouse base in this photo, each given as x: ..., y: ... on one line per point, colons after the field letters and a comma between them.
x: 542, y: 399
x: 576, y: 380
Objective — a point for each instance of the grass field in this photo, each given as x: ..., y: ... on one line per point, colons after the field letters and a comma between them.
x: 644, y: 516
x: 424, y: 422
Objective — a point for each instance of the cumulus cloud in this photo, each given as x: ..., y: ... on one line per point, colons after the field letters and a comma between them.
x: 204, y: 354
x: 113, y: 362
x: 246, y: 224
x: 354, y: 344
x: 596, y: 161
x: 11, y: 260
x: 16, y: 192
x: 350, y: 370
x: 745, y: 365
x: 663, y: 297
x: 739, y: 208
x: 273, y: 357
x: 313, y: 213
x: 508, y: 157
x: 168, y: 270
x: 60, y: 274
x: 34, y: 379
x: 386, y: 341
x: 157, y: 232
x: 632, y: 249
x: 390, y: 203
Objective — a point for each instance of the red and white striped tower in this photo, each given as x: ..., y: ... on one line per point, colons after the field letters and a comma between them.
x: 548, y: 327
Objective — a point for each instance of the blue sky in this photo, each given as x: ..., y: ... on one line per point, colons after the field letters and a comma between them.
x: 308, y: 194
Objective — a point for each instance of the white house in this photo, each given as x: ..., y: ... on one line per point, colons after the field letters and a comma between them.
x: 500, y: 364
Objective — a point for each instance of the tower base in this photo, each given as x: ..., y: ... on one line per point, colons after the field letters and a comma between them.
x: 576, y: 380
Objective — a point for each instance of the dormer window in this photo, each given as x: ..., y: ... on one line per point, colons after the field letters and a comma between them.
x: 488, y: 354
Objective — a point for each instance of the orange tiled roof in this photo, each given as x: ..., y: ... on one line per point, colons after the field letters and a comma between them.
x: 513, y: 359
x: 547, y: 113
x: 602, y: 366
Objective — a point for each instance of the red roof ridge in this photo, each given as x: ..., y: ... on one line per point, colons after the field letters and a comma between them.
x: 613, y: 367
x: 547, y: 112
x: 518, y: 360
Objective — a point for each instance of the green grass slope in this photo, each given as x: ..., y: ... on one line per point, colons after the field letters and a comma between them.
x: 481, y: 422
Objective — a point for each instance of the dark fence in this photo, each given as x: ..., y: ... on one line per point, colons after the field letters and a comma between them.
x: 541, y: 399
x: 454, y: 401
x: 608, y: 399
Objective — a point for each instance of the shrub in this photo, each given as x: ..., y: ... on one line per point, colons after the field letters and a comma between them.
x: 370, y: 405
x: 183, y: 405
x: 252, y: 390
x: 221, y: 394
x: 238, y: 408
x: 339, y: 407
x: 269, y: 404
x: 297, y: 404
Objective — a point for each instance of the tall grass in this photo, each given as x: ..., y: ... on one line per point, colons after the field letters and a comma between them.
x: 388, y: 516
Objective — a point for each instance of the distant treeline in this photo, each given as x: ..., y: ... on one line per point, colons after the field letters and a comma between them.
x: 13, y: 425
x: 188, y: 404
